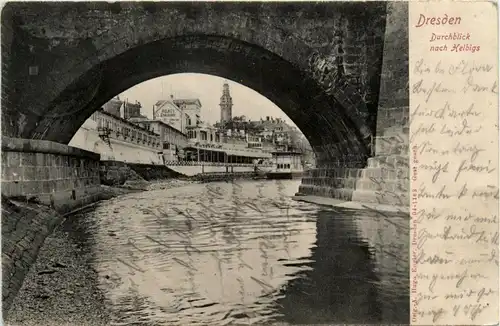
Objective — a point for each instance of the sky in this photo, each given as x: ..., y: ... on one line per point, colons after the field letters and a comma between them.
x: 208, y: 89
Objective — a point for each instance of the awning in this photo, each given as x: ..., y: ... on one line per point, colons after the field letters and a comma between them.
x: 254, y: 154
x: 248, y: 154
x: 221, y: 150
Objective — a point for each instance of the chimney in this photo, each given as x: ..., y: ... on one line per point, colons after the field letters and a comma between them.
x: 267, y: 118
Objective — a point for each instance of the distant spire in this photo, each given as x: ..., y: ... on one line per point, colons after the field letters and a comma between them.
x: 226, y: 104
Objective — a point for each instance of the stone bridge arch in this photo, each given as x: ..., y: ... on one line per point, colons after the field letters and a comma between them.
x: 320, y: 63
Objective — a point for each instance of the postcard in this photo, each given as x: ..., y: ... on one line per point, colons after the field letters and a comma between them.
x: 249, y: 163
x: 454, y: 163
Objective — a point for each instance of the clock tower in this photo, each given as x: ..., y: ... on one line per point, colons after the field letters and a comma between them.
x: 226, y: 104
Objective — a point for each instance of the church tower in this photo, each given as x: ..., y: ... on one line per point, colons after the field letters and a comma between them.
x: 226, y: 104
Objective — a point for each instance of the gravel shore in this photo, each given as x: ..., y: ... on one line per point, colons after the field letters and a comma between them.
x: 61, y: 288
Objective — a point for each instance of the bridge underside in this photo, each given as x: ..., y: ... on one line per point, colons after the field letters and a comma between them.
x: 319, y: 116
x: 341, y: 77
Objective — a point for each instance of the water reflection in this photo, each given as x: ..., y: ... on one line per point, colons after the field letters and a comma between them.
x: 245, y: 254
x: 346, y: 283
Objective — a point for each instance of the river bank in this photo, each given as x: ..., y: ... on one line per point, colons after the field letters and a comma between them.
x: 37, y: 260
x: 60, y: 287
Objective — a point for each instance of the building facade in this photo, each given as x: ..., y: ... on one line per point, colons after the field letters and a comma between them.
x: 203, y: 133
x: 226, y: 105
x: 172, y: 140
x: 114, y: 107
x: 132, y: 110
x: 171, y: 114
x: 276, y: 130
x: 117, y: 139
x: 191, y: 109
x: 123, y: 109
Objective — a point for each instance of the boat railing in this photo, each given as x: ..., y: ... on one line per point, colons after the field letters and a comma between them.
x: 207, y: 145
x: 196, y: 163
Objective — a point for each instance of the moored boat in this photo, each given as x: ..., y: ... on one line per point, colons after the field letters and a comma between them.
x: 286, y: 165
x: 203, y: 160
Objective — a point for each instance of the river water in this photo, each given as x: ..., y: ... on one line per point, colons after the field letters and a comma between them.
x: 245, y: 253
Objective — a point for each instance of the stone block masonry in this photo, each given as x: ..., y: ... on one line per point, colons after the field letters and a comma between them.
x: 385, y: 177
x: 24, y: 229
x: 40, y: 180
x: 53, y: 174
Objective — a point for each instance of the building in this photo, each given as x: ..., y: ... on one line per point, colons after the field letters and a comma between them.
x: 114, y: 107
x: 192, y: 109
x: 171, y: 114
x: 275, y: 130
x: 226, y: 105
x: 117, y: 139
x: 203, y: 133
x: 173, y: 141
x: 132, y: 110
x: 123, y: 109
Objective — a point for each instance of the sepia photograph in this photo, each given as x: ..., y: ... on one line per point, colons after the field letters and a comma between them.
x: 205, y: 163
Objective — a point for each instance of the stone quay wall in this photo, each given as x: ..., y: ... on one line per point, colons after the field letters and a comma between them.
x: 41, y: 180
x: 384, y: 179
x: 53, y: 174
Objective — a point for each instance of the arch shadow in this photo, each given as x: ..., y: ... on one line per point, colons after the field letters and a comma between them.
x: 329, y: 127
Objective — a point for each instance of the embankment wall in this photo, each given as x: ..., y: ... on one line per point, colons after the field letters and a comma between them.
x: 41, y: 180
x: 53, y: 174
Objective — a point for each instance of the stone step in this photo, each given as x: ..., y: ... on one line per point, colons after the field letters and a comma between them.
x: 391, y: 161
x: 385, y: 173
x: 362, y: 183
x: 385, y: 198
x: 348, y: 183
x: 330, y: 192
x: 383, y: 185
x: 334, y: 173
